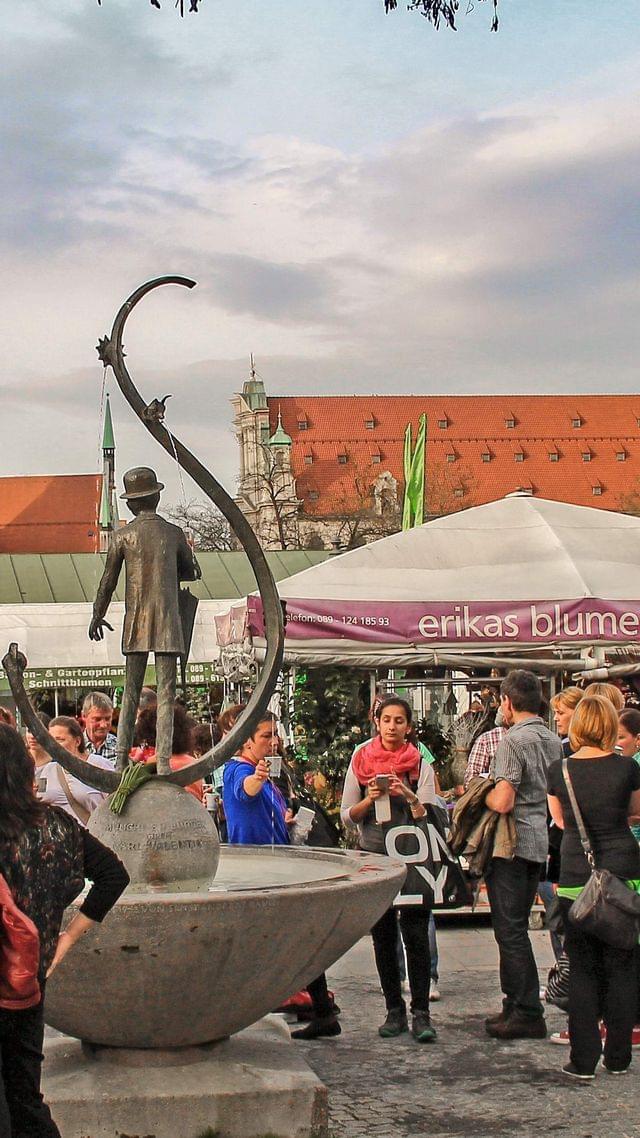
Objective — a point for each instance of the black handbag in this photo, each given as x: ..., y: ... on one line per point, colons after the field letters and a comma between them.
x: 606, y: 908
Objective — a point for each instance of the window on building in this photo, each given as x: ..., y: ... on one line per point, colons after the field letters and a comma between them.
x: 369, y: 423
x: 376, y: 458
x: 486, y: 456
x: 342, y: 459
x: 308, y: 460
x: 596, y: 491
x: 577, y: 422
x: 586, y: 456
x: 621, y: 456
x: 510, y: 422
x: 451, y: 456
x: 303, y: 424
x: 518, y: 456
x: 553, y: 456
x: 443, y: 424
x: 313, y: 495
x: 458, y: 492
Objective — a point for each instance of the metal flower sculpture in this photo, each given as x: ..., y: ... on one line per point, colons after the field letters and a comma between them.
x: 111, y: 353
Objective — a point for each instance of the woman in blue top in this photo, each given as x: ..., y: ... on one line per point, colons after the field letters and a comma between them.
x: 257, y: 814
x: 255, y: 810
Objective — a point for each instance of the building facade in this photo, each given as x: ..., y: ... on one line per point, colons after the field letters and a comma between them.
x: 322, y: 471
x: 61, y: 513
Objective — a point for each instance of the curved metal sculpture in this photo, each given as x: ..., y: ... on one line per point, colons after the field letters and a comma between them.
x: 111, y: 353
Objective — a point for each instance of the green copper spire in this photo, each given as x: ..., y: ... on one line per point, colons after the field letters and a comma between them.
x: 280, y: 438
x: 108, y: 442
x: 105, y: 507
x: 253, y: 391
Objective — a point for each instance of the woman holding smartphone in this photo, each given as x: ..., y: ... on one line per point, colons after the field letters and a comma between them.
x: 388, y: 784
x: 257, y: 814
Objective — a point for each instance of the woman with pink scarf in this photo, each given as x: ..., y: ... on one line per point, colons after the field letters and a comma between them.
x: 391, y: 762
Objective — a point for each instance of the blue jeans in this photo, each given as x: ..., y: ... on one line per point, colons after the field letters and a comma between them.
x: 512, y: 887
x: 547, y: 895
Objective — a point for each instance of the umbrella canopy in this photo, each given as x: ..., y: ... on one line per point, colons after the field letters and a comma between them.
x: 515, y: 575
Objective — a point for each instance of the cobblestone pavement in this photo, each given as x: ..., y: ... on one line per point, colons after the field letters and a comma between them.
x: 465, y: 1084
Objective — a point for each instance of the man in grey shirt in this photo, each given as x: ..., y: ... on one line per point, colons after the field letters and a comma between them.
x: 520, y: 772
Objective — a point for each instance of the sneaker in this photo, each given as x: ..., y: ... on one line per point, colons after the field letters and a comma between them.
x: 562, y: 1037
x: 318, y: 1028
x: 518, y: 1027
x: 434, y: 991
x: 498, y: 1017
x: 395, y: 1024
x: 614, y: 1070
x: 635, y: 1036
x: 574, y: 1073
x: 422, y: 1028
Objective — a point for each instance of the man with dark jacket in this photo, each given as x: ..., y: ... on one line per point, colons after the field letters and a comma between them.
x: 156, y: 558
x: 520, y: 773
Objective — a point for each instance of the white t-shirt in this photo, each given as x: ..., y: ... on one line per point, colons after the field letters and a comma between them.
x: 50, y: 790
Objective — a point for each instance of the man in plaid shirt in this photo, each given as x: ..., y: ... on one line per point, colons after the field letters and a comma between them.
x: 483, y: 751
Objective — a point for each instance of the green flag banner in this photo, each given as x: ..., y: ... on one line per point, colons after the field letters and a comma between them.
x: 406, y: 506
x: 414, y: 472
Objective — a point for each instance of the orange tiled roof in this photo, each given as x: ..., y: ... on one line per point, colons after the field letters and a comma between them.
x: 517, y: 432
x: 50, y: 513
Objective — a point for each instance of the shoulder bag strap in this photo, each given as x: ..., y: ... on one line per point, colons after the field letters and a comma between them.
x: 584, y: 837
x: 80, y: 811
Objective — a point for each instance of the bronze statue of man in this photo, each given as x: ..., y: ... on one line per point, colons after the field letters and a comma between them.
x: 156, y: 558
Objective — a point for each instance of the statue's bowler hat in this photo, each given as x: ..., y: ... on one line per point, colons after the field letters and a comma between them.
x: 141, y: 482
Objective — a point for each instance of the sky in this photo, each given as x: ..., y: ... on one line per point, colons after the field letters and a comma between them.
x: 367, y: 205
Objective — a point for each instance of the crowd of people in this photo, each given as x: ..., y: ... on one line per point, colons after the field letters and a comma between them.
x: 46, y: 853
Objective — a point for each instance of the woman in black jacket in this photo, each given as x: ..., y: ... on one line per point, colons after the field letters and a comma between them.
x: 602, y: 982
x: 45, y: 856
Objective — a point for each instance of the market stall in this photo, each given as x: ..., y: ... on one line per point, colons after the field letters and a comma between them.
x: 520, y: 581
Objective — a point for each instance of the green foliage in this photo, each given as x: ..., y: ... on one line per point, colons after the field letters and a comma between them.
x: 441, y: 11
x: 439, y: 744
x: 330, y: 719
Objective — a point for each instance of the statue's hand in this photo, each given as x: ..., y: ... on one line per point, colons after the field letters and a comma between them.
x: 96, y: 628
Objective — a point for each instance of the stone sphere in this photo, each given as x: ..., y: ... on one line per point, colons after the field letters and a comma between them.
x: 164, y: 836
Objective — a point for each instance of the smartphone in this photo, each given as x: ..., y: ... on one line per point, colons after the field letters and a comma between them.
x: 382, y: 783
x: 304, y: 818
x: 275, y: 765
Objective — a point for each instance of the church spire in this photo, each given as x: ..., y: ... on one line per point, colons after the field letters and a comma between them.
x: 108, y: 518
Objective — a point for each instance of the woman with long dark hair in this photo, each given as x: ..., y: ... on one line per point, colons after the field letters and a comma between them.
x: 45, y: 857
x: 181, y: 743
x: 257, y: 814
x: 392, y: 759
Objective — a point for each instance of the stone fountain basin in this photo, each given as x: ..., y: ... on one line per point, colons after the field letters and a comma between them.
x: 171, y: 970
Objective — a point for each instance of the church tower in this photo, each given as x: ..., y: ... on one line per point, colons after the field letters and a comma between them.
x: 266, y: 487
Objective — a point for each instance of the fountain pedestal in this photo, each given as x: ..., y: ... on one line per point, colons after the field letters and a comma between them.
x: 254, y: 1084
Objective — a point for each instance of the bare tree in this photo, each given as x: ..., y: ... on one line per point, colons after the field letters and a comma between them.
x: 209, y: 528
x: 629, y: 502
x: 448, y: 487
x: 271, y: 497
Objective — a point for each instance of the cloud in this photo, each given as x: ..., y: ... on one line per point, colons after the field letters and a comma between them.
x: 483, y: 251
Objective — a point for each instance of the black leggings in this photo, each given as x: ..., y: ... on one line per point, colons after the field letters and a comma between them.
x: 23, y: 1114
x: 602, y: 985
x: 414, y: 928
x: 322, y: 1004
